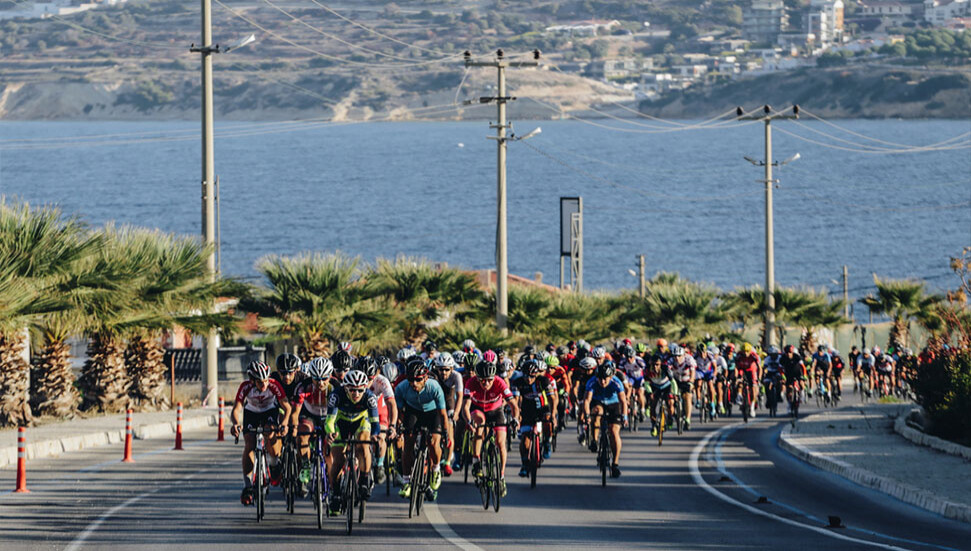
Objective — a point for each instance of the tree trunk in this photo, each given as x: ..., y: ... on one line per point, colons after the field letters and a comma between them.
x: 313, y: 346
x: 898, y: 334
x: 14, y: 381
x: 52, y: 388
x: 145, y: 362
x: 104, y: 380
x: 807, y: 343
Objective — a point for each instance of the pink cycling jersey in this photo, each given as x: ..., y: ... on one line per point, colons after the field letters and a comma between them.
x: 257, y: 400
x: 487, y: 400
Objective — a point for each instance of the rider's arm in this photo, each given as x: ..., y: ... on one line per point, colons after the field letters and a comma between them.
x: 330, y: 423
x: 586, y: 403
x: 297, y: 406
x: 392, y: 405
x: 237, y: 415
x: 514, y: 404
x: 623, y: 403
x: 373, y: 417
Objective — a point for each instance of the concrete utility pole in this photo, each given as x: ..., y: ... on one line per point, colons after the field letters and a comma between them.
x: 641, y: 271
x: 767, y: 117
x: 210, y: 372
x: 500, y: 99
x: 846, y: 292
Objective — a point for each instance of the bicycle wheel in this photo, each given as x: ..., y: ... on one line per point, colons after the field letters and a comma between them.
x: 416, y: 481
x: 679, y: 413
x: 661, y: 422
x: 553, y: 441
x: 258, y: 484
x: 602, y: 455
x: 496, y: 479
x: 292, y: 473
x: 746, y: 402
x: 423, y: 489
x: 486, y: 467
x: 534, y: 456
x: 388, y: 467
x: 466, y: 453
x: 318, y: 482
x: 350, y: 487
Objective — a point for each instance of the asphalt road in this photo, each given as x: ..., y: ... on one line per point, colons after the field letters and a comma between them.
x: 190, y: 500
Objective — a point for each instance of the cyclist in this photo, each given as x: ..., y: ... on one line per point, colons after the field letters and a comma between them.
x: 749, y: 366
x: 485, y: 396
x: 468, y: 347
x: 851, y: 361
x: 343, y: 362
x: 422, y: 406
x: 452, y: 386
x: 660, y: 386
x: 822, y: 367
x: 706, y: 372
x: 773, y: 373
x: 310, y: 399
x: 352, y: 414
x: 794, y: 373
x: 864, y: 368
x: 583, y: 373
x: 721, y: 374
x: 429, y: 350
x: 683, y: 368
x: 536, y: 395
x: 288, y: 373
x: 561, y: 377
x: 837, y: 371
x: 661, y: 349
x: 387, y: 407
x: 258, y: 401
x: 885, y: 367
x: 634, y: 366
x: 606, y: 399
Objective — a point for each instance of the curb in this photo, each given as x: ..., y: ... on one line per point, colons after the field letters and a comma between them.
x: 55, y: 447
x: 922, y: 439
x: 908, y: 494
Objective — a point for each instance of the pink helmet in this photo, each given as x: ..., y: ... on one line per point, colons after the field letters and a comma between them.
x: 489, y: 356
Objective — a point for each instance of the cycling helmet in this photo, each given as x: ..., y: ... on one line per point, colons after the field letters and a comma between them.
x: 789, y: 348
x: 355, y: 379
x: 406, y: 353
x: 606, y: 370
x: 444, y: 360
x: 530, y: 350
x: 319, y: 369
x: 500, y: 353
x: 661, y: 343
x: 561, y: 350
x: 598, y: 352
x: 834, y: 352
x: 258, y: 370
x: 588, y: 363
x: 429, y: 346
x: 345, y: 346
x: 747, y: 348
x: 876, y: 351
x: 489, y: 357
x: 641, y: 348
x: 676, y: 351
x: 774, y: 350
x: 416, y: 368
x: 908, y: 352
x: 388, y: 368
x: 342, y: 360
x: 572, y: 345
x: 367, y: 365
x: 629, y: 352
x: 287, y: 363
x: 822, y: 348
x: 551, y: 348
x: 485, y: 369
x: 583, y: 345
x: 458, y: 357
x: 552, y: 361
x: 533, y: 368
x: 504, y: 367
x: 468, y: 345
x: 713, y: 350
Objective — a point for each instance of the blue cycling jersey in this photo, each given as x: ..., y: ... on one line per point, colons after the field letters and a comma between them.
x: 606, y: 395
x: 430, y: 398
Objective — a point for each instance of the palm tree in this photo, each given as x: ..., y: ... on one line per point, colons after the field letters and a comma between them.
x: 679, y: 309
x: 37, y: 247
x: 902, y: 300
x: 422, y: 293
x: 52, y: 385
x: 803, y: 308
x: 449, y: 336
x: 574, y: 316
x: 318, y: 298
x: 528, y: 309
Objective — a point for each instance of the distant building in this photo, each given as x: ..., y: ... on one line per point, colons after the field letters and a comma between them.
x: 764, y: 20
x: 584, y: 28
x: 825, y: 21
x: 618, y: 68
x: 938, y: 12
x: 43, y: 10
x: 690, y: 71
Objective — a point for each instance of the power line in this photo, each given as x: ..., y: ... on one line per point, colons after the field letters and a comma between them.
x: 884, y: 142
x: 375, y: 32
x: 870, y: 151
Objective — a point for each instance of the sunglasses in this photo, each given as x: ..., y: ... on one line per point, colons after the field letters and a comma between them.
x: 356, y: 390
x: 488, y: 379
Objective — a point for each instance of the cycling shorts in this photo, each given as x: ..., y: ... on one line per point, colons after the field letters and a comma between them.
x: 532, y: 419
x: 414, y: 419
x: 749, y: 375
x: 352, y: 429
x: 636, y: 382
x: 253, y: 419
x: 705, y: 375
x: 317, y: 420
x: 496, y: 416
x: 684, y: 387
x: 611, y: 412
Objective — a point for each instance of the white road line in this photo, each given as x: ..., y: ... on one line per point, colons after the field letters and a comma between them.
x: 437, y: 521
x: 696, y: 475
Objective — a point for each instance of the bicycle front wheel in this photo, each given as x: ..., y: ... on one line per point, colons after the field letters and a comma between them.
x: 496, y: 479
x: 416, y: 485
x: 486, y: 467
x: 258, y: 486
x: 350, y: 487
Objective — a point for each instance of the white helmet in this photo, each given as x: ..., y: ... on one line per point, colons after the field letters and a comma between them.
x: 406, y: 353
x: 444, y: 360
x: 319, y: 369
x: 355, y: 379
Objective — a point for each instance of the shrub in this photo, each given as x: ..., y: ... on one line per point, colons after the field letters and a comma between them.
x: 943, y: 388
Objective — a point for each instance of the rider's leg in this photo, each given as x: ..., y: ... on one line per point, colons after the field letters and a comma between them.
x: 248, y: 447
x: 303, y: 440
x: 615, y: 442
x: 478, y: 418
x: 501, y: 439
x: 336, y: 464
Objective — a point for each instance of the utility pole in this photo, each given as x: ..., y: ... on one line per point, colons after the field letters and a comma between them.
x: 767, y: 117
x: 500, y: 99
x: 846, y: 292
x: 641, y: 271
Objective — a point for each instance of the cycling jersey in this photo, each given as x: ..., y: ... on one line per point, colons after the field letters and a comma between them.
x: 706, y: 368
x: 258, y: 401
x: 884, y: 364
x: 431, y: 397
x: 822, y: 359
x: 314, y: 401
x: 537, y: 396
x: 558, y: 374
x: 605, y: 395
x: 288, y: 389
x: 684, y: 371
x: 772, y: 365
x: 793, y: 367
x: 864, y: 362
x: 341, y: 408
x: 634, y: 368
x: 381, y: 387
x: 747, y: 362
x: 489, y: 399
x: 721, y: 366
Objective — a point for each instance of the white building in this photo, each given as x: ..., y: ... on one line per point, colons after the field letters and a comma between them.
x: 937, y: 12
x: 764, y: 20
x: 43, y: 10
x: 584, y: 28
x: 826, y: 21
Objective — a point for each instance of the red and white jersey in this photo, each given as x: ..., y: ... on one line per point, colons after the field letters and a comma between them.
x: 254, y: 399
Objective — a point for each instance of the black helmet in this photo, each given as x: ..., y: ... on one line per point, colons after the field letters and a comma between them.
x: 258, y: 370
x: 429, y: 345
x: 606, y: 370
x: 287, y: 363
x: 342, y: 360
x: 416, y: 368
x: 629, y: 352
x: 485, y: 370
x: 368, y: 365
x: 533, y: 367
x: 551, y: 348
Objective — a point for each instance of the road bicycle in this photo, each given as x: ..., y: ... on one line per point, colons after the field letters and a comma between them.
x: 261, y: 469
x: 319, y: 485
x: 290, y: 473
x: 865, y: 393
x: 705, y: 403
x: 605, y: 455
x: 347, y: 483
x: 535, y: 437
x: 421, y: 472
x: 748, y: 398
x: 465, y: 452
x: 489, y: 480
x: 390, y: 462
x: 794, y: 397
x: 773, y: 393
x: 660, y: 418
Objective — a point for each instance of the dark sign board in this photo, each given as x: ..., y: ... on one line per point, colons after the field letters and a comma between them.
x: 568, y: 206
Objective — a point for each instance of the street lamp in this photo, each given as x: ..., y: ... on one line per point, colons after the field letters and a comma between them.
x: 210, y: 379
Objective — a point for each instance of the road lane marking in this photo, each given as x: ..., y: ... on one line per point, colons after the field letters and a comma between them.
x: 435, y: 518
x: 700, y: 481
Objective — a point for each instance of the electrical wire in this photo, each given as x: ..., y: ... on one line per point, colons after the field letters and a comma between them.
x: 868, y: 151
x: 375, y: 32
x: 932, y: 147
x: 884, y: 142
